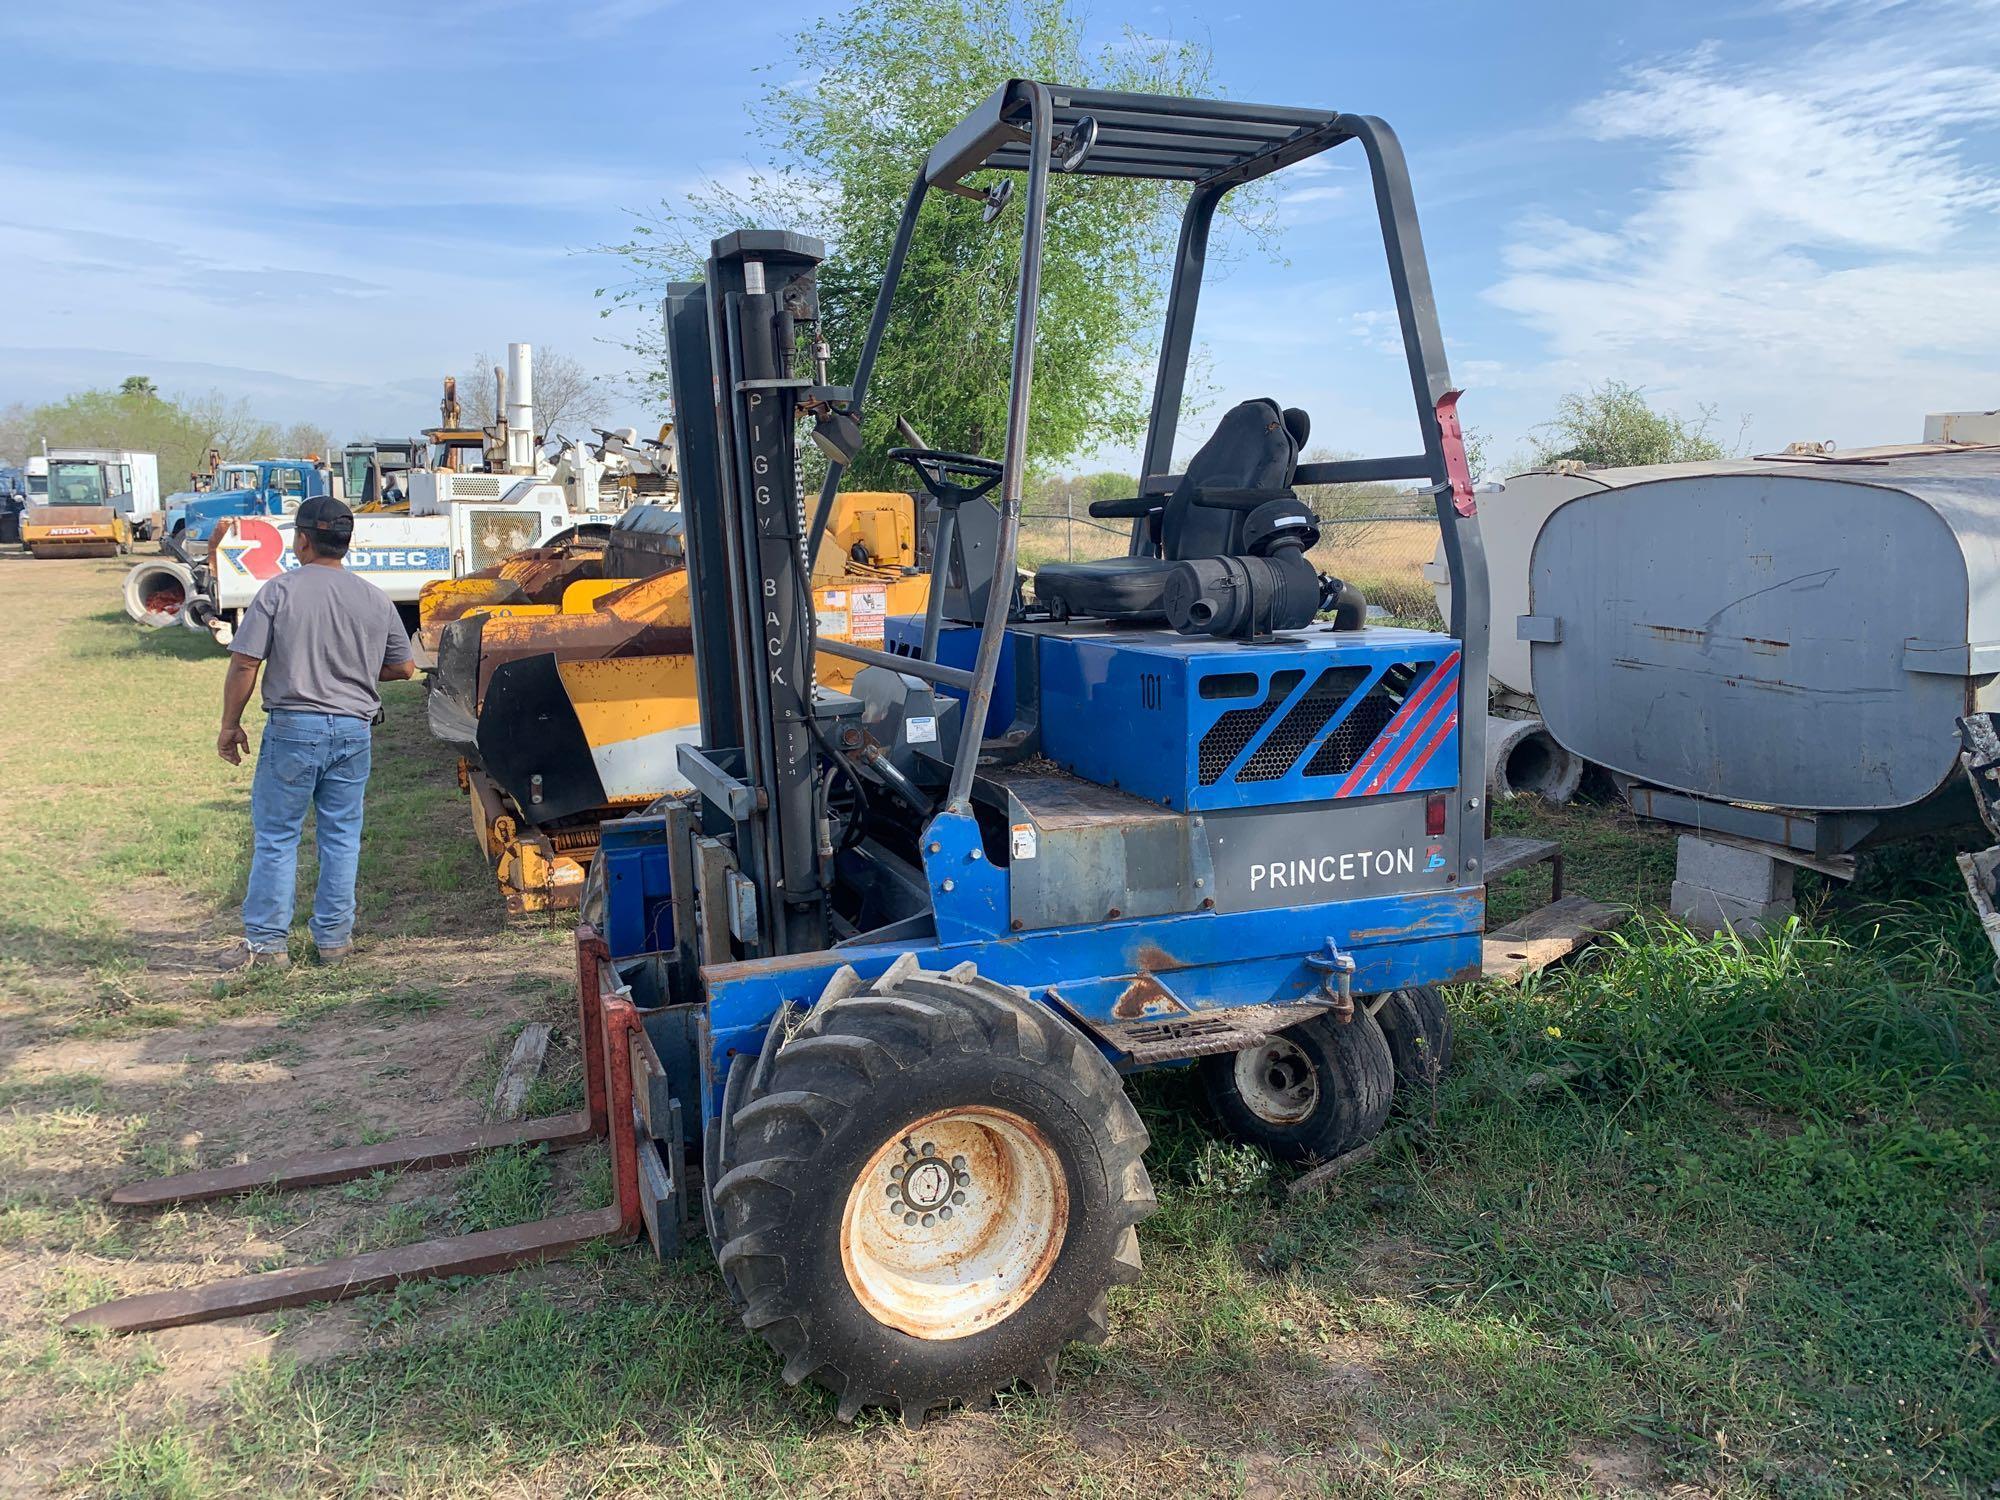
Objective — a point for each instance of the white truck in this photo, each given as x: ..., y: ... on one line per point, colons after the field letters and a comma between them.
x: 457, y: 523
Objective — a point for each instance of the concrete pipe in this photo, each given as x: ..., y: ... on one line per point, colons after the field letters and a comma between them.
x: 1522, y: 756
x: 157, y: 591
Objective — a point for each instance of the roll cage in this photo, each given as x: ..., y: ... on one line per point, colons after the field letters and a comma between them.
x: 1213, y: 146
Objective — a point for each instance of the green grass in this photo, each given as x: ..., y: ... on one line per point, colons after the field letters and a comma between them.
x: 1743, y: 1237
x: 130, y: 796
x: 1687, y: 1211
x: 502, y: 1188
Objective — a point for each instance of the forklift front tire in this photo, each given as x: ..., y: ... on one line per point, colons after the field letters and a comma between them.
x: 929, y: 1192
x: 1308, y: 1093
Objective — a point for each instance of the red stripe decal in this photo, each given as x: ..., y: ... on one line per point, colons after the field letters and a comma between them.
x: 1390, y: 730
x: 1445, y: 697
x: 1444, y: 732
x: 1421, y: 706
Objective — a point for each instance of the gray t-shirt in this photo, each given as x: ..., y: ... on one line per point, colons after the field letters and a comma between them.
x: 324, y: 636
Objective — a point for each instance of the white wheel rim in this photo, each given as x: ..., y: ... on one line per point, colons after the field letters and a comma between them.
x: 955, y: 1223
x: 1277, y: 1081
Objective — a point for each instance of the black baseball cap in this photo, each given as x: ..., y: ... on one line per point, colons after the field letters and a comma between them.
x: 325, y: 516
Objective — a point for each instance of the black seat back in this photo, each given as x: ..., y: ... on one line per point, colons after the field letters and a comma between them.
x: 1254, y: 446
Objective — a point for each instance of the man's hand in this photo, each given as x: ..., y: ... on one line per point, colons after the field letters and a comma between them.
x: 237, y: 686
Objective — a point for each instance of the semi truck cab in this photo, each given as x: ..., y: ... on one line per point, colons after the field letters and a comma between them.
x: 265, y: 487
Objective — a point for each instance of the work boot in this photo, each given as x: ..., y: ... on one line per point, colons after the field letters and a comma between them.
x: 338, y: 955
x: 248, y: 959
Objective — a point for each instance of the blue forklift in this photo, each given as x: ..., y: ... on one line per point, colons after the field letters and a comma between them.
x: 896, y: 954
x: 862, y: 1004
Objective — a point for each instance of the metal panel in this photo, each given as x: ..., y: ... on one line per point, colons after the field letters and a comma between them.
x: 1745, y: 636
x: 1332, y: 852
x: 713, y: 866
x: 1139, y: 711
x: 1206, y: 960
x: 1079, y: 852
x: 638, y: 895
x: 1818, y: 835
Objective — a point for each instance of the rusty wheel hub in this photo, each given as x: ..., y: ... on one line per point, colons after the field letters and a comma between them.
x: 955, y: 1223
x: 1277, y: 1081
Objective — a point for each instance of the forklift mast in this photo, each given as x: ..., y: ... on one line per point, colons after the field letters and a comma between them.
x: 735, y: 336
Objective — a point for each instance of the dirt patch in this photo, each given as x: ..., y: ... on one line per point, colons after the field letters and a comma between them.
x: 1614, y: 1469
x: 400, y: 1047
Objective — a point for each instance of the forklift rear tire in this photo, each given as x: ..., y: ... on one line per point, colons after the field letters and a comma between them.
x: 929, y: 1192
x: 1308, y: 1093
x: 1419, y: 1033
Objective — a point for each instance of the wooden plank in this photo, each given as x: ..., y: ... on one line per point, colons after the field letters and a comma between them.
x: 510, y: 1094
x: 1549, y: 933
x: 1321, y: 1176
x: 1504, y: 856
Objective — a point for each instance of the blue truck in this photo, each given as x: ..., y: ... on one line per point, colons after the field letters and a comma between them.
x: 263, y: 487
x: 13, y: 500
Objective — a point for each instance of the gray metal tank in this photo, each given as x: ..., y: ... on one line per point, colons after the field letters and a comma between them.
x: 1792, y: 633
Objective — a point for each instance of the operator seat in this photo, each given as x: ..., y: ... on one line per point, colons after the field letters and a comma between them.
x: 1254, y: 447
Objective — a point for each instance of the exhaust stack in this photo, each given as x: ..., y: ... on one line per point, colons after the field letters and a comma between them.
x: 522, y: 449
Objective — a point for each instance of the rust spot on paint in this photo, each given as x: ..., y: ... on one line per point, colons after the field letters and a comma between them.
x: 1677, y: 633
x: 1144, y: 996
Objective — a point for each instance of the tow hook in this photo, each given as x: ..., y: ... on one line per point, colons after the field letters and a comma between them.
x: 1336, y: 981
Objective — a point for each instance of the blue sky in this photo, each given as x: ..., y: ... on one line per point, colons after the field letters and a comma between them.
x: 1788, y: 210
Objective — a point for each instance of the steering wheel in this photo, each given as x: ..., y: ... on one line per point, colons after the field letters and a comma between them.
x: 935, y: 468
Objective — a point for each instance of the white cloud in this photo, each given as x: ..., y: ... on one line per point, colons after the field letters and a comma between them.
x: 608, y: 18
x: 1815, y: 242
x: 112, y: 261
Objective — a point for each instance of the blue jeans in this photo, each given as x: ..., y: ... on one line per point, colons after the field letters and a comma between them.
x: 306, y: 760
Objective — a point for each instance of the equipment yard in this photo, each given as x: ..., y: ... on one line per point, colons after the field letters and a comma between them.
x: 1684, y: 1216
x: 1088, y: 811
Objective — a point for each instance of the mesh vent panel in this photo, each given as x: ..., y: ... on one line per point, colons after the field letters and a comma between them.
x: 499, y: 532
x: 1237, y: 727
x: 1306, y: 718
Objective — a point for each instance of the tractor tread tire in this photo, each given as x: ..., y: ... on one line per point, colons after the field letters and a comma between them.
x: 853, y: 1071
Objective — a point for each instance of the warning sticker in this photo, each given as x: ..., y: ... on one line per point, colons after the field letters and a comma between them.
x: 871, y: 607
x: 1022, y: 840
x: 833, y: 598
x: 832, y: 622
x: 920, y: 729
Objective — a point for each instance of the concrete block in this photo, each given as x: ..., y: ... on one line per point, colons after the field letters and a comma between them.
x: 1711, y: 911
x: 1730, y: 870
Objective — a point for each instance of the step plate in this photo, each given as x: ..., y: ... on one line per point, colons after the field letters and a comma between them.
x: 1205, y: 1033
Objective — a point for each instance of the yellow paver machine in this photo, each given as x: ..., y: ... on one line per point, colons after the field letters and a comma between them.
x: 565, y: 676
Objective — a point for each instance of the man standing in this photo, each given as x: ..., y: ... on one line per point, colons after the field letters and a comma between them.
x: 324, y: 639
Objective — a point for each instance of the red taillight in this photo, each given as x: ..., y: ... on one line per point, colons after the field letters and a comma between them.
x: 1434, y: 814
